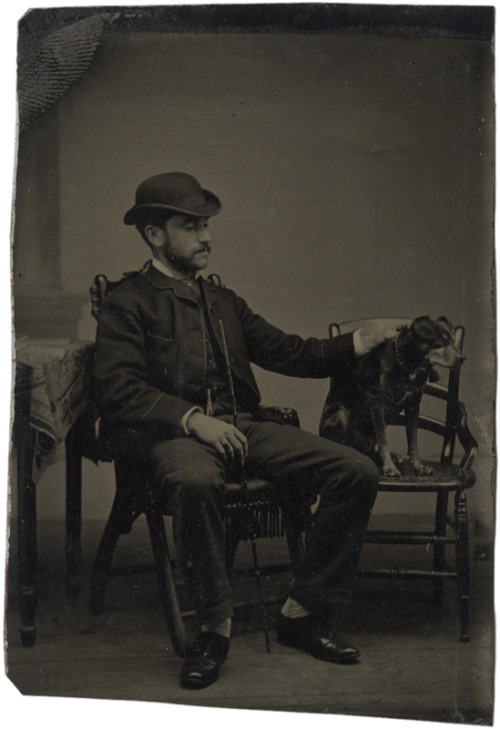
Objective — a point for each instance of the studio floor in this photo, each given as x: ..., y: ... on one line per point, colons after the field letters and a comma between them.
x: 412, y: 664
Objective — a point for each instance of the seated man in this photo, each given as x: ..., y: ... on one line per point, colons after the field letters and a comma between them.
x: 162, y: 386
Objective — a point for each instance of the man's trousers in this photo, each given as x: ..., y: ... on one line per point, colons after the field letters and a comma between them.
x: 192, y: 475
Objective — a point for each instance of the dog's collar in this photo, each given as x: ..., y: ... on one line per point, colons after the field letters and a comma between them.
x: 397, y: 350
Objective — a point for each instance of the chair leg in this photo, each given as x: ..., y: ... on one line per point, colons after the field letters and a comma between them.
x: 102, y: 563
x: 440, y: 525
x: 463, y: 565
x: 236, y: 530
x: 166, y: 583
x: 73, y: 511
x: 232, y: 541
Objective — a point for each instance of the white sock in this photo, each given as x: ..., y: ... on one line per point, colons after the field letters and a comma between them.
x: 293, y: 609
x: 222, y: 627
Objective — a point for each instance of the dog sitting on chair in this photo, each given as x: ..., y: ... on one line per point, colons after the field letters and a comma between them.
x: 388, y: 380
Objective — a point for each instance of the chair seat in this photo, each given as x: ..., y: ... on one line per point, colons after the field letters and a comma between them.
x: 258, y: 489
x: 446, y: 477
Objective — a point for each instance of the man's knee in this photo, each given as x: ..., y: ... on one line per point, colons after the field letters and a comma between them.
x: 359, y: 473
x: 196, y: 487
x: 197, y: 477
x: 366, y: 468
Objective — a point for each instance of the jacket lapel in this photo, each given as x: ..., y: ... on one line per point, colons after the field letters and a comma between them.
x: 210, y: 291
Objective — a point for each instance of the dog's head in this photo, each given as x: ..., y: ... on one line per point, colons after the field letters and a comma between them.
x: 434, y: 339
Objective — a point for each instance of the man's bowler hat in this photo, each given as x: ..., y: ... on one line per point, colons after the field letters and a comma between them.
x: 172, y: 191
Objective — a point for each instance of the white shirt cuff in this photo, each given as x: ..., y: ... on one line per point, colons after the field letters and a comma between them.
x: 359, y: 347
x: 185, y: 418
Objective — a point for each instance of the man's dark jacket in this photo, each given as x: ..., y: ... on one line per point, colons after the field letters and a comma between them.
x: 150, y: 358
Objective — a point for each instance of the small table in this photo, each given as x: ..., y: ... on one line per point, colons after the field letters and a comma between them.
x: 52, y: 420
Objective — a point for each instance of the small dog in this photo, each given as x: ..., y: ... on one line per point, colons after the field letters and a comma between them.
x: 388, y: 380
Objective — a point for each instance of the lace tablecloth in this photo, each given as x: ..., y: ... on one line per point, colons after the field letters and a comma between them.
x: 53, y: 379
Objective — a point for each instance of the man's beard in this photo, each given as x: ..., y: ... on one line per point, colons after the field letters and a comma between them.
x: 186, y: 265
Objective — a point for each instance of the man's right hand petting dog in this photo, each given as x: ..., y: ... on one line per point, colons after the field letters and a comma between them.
x: 388, y: 380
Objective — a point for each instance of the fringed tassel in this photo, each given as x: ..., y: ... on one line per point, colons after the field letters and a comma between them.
x: 266, y: 520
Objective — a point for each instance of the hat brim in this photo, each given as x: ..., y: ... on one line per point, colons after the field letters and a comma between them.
x: 210, y: 207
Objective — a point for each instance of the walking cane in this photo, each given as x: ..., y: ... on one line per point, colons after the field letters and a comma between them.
x: 244, y: 487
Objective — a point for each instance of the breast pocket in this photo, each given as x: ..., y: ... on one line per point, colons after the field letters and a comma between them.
x: 162, y: 357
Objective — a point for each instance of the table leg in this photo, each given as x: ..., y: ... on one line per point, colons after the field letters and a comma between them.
x: 73, y: 510
x: 27, y: 529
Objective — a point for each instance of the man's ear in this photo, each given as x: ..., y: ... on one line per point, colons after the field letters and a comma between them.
x: 155, y: 235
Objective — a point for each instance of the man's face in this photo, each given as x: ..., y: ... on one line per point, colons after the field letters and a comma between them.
x: 186, y: 243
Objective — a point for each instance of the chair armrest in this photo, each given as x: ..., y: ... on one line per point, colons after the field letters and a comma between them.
x: 289, y: 415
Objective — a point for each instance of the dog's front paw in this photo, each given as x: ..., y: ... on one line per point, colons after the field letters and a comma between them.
x: 421, y: 469
x: 390, y: 471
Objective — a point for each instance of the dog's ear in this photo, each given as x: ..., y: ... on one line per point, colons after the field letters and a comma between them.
x: 445, y: 320
x: 444, y: 330
x: 423, y: 328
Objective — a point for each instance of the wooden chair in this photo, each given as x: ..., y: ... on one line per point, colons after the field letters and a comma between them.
x: 259, y: 512
x: 451, y: 477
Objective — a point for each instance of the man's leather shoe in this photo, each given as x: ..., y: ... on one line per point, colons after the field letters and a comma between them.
x: 203, y: 661
x: 311, y: 635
